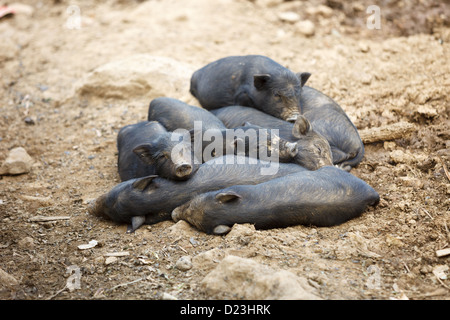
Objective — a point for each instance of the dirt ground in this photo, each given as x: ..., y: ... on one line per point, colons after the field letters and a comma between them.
x: 400, y: 72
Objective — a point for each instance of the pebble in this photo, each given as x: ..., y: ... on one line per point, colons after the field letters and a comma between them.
x: 110, y: 260
x: 363, y: 47
x: 168, y: 296
x: 17, y: 162
x: 306, y: 27
x: 7, y: 280
x: 426, y: 111
x: 364, y: 78
x: 389, y: 145
x: 90, y: 245
x: 412, y: 182
x: 320, y: 10
x: 184, y: 263
x: 289, y: 16
x: 29, y: 121
x: 440, y: 271
x: 398, y: 156
x: 26, y: 243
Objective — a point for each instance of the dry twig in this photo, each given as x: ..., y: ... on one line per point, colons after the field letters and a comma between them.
x: 445, y: 167
x: 46, y: 219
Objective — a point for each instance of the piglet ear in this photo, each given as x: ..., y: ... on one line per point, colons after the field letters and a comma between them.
x: 303, y: 76
x: 260, y: 80
x: 143, y: 183
x: 301, y: 127
x: 227, y: 196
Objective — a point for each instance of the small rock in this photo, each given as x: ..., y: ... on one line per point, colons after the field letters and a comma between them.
x: 306, y: 28
x: 99, y: 260
x: 17, y: 162
x: 412, y: 182
x: 398, y: 156
x: 168, y: 296
x: 440, y: 271
x: 184, y: 263
x: 242, y: 233
x: 26, y: 243
x: 29, y: 121
x: 248, y: 279
x: 151, y: 75
x: 7, y: 280
x: 364, y: 77
x: 208, y: 259
x: 111, y: 260
x: 90, y: 245
x: 426, y: 269
x: 241, y: 230
x: 289, y: 16
x: 389, y: 145
x: 193, y: 241
x: 363, y: 47
x: 42, y: 87
x: 181, y: 228
x: 320, y: 10
x: 393, y: 241
x: 427, y: 111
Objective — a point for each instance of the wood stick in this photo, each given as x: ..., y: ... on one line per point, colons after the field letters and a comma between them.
x: 427, y: 213
x: 387, y: 132
x: 51, y: 218
x: 126, y: 284
x: 117, y: 254
x: 445, y: 167
x: 443, y: 284
x: 58, y: 292
x: 406, y: 267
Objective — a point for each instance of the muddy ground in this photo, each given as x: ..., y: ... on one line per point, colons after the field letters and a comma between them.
x: 400, y: 72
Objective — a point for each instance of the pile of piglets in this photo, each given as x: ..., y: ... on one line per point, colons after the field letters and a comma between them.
x: 264, y: 149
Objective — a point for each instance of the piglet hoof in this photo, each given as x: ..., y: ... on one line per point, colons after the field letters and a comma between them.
x: 221, y: 229
x: 176, y: 214
x: 130, y: 229
x: 343, y: 167
x: 136, y: 222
